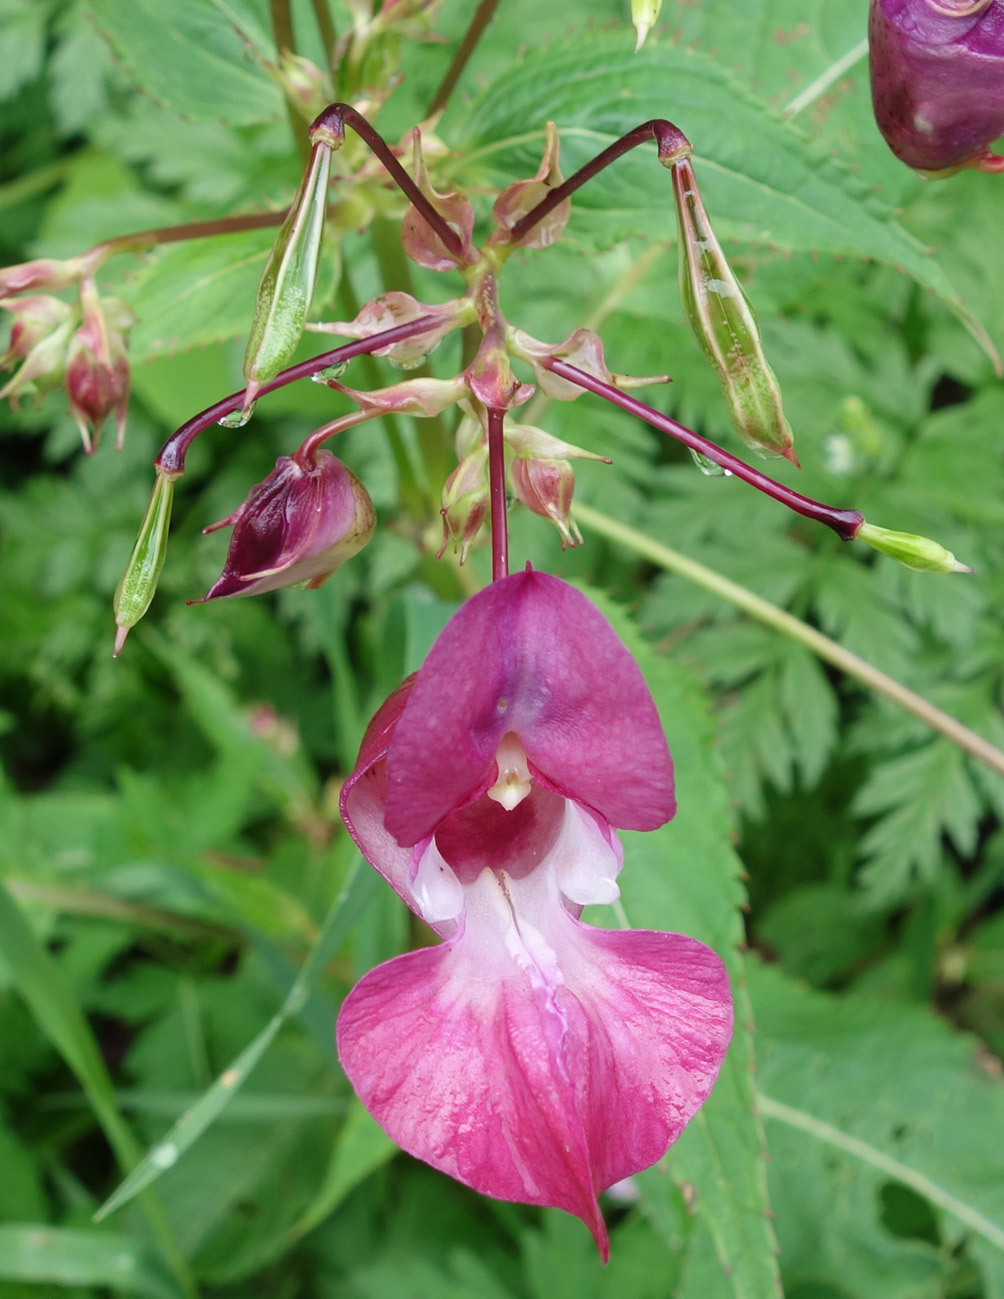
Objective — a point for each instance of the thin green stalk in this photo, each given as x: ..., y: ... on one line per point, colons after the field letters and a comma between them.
x: 326, y: 29
x: 778, y: 619
x: 281, y: 15
x: 826, y: 79
x: 482, y: 17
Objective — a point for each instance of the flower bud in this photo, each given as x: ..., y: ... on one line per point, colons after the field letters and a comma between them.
x: 919, y: 553
x: 295, y: 528
x: 542, y: 477
x: 139, y: 581
x: 97, y: 368
x: 287, y: 282
x: 465, y: 502
x: 644, y: 15
x: 725, y: 325
x: 302, y: 82
x: 937, y: 78
x: 41, y: 335
x: 520, y: 198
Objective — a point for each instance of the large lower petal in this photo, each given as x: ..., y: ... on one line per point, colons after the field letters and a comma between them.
x: 539, y: 1068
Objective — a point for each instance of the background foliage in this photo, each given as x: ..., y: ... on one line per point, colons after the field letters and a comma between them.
x: 181, y: 911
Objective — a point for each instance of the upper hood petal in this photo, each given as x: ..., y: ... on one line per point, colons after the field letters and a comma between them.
x: 531, y: 655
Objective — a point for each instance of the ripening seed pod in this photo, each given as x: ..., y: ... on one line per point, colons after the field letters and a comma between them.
x: 920, y: 553
x: 725, y: 325
x: 139, y: 581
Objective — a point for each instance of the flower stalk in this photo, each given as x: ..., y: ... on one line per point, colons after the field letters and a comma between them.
x: 496, y: 477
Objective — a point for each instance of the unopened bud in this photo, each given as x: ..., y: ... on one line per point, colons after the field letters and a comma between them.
x: 302, y: 82
x: 287, y: 283
x: 139, y: 581
x: 543, y: 478
x: 45, y: 359
x: 97, y: 368
x: 919, y: 553
x: 521, y: 197
x: 295, y: 528
x: 35, y: 318
x: 937, y: 79
x: 465, y: 502
x: 644, y: 15
x: 725, y: 324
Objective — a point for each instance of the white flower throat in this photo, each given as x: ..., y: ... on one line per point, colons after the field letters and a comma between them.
x: 513, y: 782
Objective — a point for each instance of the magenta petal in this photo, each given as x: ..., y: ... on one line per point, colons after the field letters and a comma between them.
x: 537, y: 1083
x: 531, y: 655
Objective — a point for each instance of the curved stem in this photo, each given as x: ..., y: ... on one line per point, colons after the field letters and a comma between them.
x: 171, y: 460
x: 830, y: 651
x: 845, y: 523
x: 672, y: 144
x: 496, y: 479
x: 336, y: 117
x: 143, y: 240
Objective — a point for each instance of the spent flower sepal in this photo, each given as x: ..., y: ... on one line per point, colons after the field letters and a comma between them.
x: 542, y: 477
x: 396, y: 308
x: 464, y: 503
x: 295, y: 528
x: 287, y: 283
x: 421, y: 242
x: 919, y: 553
x: 937, y: 81
x: 524, y: 195
x: 97, y: 366
x: 725, y: 325
x: 138, y: 583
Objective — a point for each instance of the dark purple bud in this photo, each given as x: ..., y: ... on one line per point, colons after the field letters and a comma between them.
x: 295, y: 528
x: 937, y: 74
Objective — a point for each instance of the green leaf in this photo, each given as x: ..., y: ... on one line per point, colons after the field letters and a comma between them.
x: 189, y: 56
x: 361, y: 1148
x: 190, y: 1126
x: 686, y: 877
x: 763, y: 181
x: 858, y: 1094
x: 68, y: 1256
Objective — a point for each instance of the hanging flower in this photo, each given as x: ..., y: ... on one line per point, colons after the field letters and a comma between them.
x: 531, y: 1056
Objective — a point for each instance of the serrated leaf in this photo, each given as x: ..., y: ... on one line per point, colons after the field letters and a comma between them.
x: 858, y: 1093
x: 763, y: 181
x: 188, y: 56
x: 685, y: 877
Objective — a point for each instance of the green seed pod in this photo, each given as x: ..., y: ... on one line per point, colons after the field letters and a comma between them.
x: 287, y: 282
x: 139, y: 581
x: 725, y: 325
x: 920, y: 553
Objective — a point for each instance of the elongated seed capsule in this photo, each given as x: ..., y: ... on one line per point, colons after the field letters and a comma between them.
x: 725, y: 324
x: 139, y: 581
x: 287, y: 283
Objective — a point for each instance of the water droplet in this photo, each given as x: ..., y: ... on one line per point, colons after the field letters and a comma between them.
x: 237, y: 418
x: 330, y: 372
x: 164, y: 1156
x: 412, y: 362
x: 708, y: 467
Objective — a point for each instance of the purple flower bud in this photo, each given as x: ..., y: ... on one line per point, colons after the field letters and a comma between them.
x: 937, y: 74
x: 295, y: 528
x: 97, y: 370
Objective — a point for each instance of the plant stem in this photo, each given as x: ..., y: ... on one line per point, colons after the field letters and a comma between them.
x: 672, y: 144
x: 825, y: 79
x: 171, y: 460
x: 326, y: 29
x: 496, y: 478
x: 282, y: 32
x: 142, y: 241
x: 336, y: 117
x: 845, y: 523
x: 482, y: 17
x: 779, y: 620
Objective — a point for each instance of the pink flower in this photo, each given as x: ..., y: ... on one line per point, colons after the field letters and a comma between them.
x: 530, y: 1056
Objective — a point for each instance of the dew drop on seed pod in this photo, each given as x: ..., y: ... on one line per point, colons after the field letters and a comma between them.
x: 413, y: 362
x: 708, y: 466
x: 330, y: 372
x: 237, y: 418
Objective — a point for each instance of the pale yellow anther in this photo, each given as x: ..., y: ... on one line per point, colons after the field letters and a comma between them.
x: 513, y: 781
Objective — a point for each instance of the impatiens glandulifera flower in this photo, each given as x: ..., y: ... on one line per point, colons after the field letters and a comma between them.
x: 97, y: 367
x: 287, y: 282
x: 295, y: 528
x: 530, y: 1056
x: 725, y: 324
x: 937, y: 77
